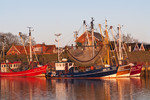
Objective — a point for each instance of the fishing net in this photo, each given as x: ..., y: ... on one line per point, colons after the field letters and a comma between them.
x: 86, y: 55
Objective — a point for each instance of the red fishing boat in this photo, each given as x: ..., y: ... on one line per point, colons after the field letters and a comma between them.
x: 7, y: 68
x: 39, y: 71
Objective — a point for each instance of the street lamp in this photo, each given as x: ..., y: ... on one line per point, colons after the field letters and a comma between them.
x: 58, y: 44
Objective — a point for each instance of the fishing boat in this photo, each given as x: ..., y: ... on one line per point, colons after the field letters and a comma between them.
x: 39, y: 71
x: 7, y: 68
x: 68, y: 70
x: 88, y: 61
x: 125, y: 69
x: 129, y: 70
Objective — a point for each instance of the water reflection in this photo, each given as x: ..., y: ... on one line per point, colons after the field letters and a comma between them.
x: 74, y: 89
x: 21, y: 88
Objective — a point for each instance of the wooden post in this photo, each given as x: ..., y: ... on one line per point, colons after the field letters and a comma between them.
x: 146, y: 69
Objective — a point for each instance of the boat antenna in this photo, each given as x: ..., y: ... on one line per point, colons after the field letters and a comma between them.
x: 30, y: 42
x: 57, y: 35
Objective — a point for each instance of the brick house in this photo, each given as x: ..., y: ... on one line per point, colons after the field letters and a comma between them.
x: 38, y: 49
x: 87, y: 37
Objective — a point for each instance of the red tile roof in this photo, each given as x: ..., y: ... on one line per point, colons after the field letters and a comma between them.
x: 18, y: 49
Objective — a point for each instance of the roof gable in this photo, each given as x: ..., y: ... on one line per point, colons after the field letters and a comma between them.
x: 13, y: 47
x: 142, y: 47
x: 136, y: 48
x: 83, y: 36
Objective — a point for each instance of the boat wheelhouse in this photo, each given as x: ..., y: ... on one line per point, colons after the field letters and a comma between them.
x: 5, y: 67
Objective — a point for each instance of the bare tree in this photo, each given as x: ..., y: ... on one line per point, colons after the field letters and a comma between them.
x: 127, y: 38
x: 10, y: 39
x: 26, y: 39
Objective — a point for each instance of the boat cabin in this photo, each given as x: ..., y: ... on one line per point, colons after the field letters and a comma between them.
x: 5, y: 67
x: 63, y: 67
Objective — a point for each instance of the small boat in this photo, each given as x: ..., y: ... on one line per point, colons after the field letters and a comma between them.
x: 129, y: 70
x: 7, y: 69
x: 124, y: 70
x: 136, y: 70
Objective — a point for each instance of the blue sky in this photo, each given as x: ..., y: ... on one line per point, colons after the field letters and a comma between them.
x: 49, y: 17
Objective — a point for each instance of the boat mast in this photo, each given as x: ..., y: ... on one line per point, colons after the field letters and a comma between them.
x: 92, y: 28
x: 107, y: 43
x: 120, y: 49
x: 76, y: 36
x: 3, y: 48
x: 20, y: 34
x: 87, y: 37
x: 100, y: 31
x: 114, y: 40
x: 30, y: 43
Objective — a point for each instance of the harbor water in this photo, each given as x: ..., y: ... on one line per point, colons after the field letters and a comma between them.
x: 74, y: 89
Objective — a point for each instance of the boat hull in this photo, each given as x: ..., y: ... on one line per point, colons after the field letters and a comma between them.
x: 92, y: 74
x: 129, y: 70
x: 123, y: 71
x: 28, y: 73
x: 136, y: 70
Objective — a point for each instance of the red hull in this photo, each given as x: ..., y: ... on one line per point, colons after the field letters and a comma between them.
x: 30, y: 73
x: 136, y: 70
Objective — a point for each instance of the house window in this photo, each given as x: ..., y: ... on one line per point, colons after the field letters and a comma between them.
x: 129, y: 48
x: 39, y: 49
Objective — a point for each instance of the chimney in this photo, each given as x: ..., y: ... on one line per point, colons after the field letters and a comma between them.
x: 43, y: 43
